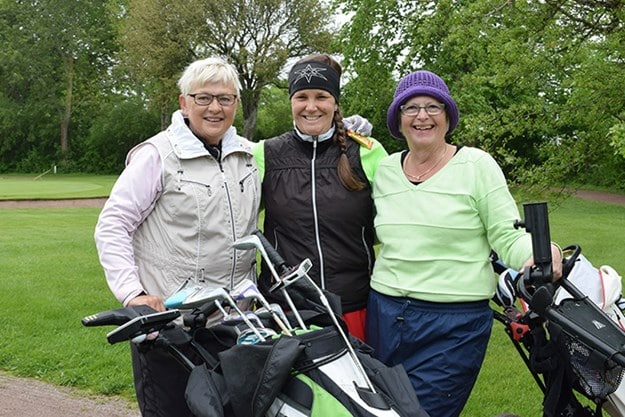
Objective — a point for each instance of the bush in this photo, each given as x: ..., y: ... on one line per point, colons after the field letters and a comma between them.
x: 114, y: 132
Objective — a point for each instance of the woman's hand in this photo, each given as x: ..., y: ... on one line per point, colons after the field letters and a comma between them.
x: 153, y: 301
x: 358, y: 124
x: 556, y: 261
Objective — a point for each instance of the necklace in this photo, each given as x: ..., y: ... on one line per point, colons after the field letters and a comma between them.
x: 418, y: 177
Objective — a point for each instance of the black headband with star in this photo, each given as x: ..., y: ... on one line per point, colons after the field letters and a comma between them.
x: 314, y: 75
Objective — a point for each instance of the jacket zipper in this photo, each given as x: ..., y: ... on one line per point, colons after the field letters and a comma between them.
x: 234, y: 230
x: 245, y: 179
x: 322, y: 279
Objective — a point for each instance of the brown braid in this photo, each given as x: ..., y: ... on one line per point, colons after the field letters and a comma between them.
x: 347, y: 177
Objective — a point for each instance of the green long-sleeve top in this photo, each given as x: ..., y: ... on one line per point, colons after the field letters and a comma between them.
x: 436, y: 237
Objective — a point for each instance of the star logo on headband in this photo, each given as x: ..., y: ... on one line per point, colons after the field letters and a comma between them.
x: 309, y: 72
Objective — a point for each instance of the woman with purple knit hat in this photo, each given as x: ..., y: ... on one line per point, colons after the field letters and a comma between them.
x: 440, y: 208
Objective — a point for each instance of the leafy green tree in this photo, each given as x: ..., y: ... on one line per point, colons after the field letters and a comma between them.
x: 123, y: 123
x: 26, y: 92
x: 257, y: 36
x: 371, y: 49
x: 534, y: 81
x: 53, y: 54
x: 274, y: 113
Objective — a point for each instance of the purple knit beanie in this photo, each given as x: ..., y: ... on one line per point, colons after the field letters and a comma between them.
x: 420, y: 83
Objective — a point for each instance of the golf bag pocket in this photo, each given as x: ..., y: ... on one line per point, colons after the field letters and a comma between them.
x: 303, y: 397
x: 257, y: 373
x: 598, y: 375
x: 319, y: 346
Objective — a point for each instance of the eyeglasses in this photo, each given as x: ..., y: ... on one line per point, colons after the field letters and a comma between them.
x: 205, y: 99
x: 413, y: 110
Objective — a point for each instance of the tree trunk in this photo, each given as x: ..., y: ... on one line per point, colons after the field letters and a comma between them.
x: 165, y: 117
x: 250, y: 100
x: 67, y: 114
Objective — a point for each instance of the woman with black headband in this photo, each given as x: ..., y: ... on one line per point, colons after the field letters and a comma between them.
x: 316, y: 189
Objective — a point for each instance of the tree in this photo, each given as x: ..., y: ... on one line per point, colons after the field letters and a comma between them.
x: 274, y: 113
x: 48, y: 61
x: 121, y: 124
x: 257, y: 36
x: 371, y: 48
x: 534, y: 81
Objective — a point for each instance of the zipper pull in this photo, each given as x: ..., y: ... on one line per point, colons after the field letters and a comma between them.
x: 179, y: 179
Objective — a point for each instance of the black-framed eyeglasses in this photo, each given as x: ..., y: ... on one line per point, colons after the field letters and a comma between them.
x: 413, y: 109
x: 205, y: 99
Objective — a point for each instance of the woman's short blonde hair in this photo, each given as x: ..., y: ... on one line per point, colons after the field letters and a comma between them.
x: 209, y: 70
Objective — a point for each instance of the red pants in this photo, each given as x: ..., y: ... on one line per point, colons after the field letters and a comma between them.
x: 355, y: 321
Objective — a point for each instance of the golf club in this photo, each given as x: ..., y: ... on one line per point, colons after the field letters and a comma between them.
x: 247, y: 321
x: 247, y: 289
x: 275, y: 309
x: 192, y: 297
x: 253, y: 242
x: 236, y: 317
x: 277, y: 258
x: 293, y: 275
x: 142, y: 325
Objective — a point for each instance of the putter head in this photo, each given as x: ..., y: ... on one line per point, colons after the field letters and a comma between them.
x: 293, y: 275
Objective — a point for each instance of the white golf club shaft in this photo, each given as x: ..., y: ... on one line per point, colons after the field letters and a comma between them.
x: 245, y: 319
x: 286, y: 295
x: 251, y: 291
x: 348, y: 345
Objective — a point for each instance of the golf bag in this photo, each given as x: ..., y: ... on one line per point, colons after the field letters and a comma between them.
x: 571, y: 338
x: 255, y: 366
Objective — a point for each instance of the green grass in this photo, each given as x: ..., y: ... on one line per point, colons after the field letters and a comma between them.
x: 51, y: 278
x: 504, y: 383
x: 54, y: 186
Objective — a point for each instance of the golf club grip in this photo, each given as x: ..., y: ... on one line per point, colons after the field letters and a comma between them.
x: 117, y: 316
x: 276, y: 259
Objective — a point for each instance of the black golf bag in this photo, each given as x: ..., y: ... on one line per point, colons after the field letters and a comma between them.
x: 314, y: 370
x: 573, y: 349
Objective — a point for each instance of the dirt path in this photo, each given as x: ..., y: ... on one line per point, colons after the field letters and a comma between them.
x: 99, y: 202
x: 65, y: 203
x: 26, y: 397
x: 601, y: 196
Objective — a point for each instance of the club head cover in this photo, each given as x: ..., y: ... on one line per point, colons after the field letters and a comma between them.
x: 505, y: 293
